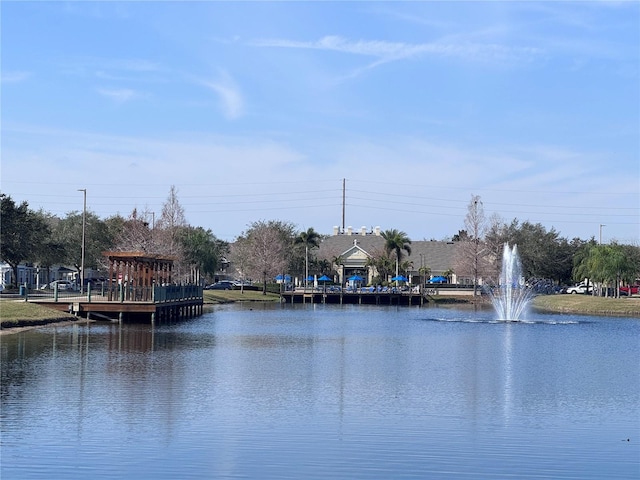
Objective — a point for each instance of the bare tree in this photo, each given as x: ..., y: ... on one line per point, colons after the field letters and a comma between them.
x: 472, y: 253
x: 167, y: 234
x: 134, y: 234
x: 170, y: 222
x: 239, y: 255
x: 267, y: 246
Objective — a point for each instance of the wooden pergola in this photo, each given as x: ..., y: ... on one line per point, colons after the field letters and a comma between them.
x: 138, y: 271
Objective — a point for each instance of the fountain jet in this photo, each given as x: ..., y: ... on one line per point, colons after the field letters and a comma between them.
x: 511, y: 297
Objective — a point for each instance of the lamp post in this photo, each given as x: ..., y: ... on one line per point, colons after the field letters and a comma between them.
x: 153, y: 226
x: 600, y: 240
x: 84, y: 220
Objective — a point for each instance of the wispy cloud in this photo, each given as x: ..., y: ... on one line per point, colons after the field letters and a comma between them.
x: 229, y: 94
x: 113, y: 68
x: 385, y: 51
x: 119, y: 95
x: 14, y: 77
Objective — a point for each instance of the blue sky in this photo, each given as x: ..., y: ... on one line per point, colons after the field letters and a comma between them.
x: 259, y: 110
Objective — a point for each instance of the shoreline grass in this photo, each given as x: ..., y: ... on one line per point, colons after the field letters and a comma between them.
x: 232, y: 296
x: 27, y: 314
x: 588, y: 305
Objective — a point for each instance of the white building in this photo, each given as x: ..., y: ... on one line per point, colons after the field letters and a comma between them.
x: 35, y: 276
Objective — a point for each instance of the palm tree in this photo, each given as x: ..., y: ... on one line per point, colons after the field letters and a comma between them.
x: 337, y: 260
x: 396, y: 241
x: 448, y: 274
x: 324, y: 266
x: 310, y: 239
x: 424, y: 273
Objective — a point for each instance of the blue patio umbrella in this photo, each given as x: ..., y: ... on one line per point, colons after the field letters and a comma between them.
x: 324, y: 278
x: 286, y: 278
x: 438, y: 279
x: 355, y: 278
x: 399, y: 278
x: 310, y: 278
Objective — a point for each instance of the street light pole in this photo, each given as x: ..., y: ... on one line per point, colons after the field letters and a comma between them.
x: 84, y: 221
x: 600, y: 241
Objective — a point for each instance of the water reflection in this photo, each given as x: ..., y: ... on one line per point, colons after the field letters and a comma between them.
x: 317, y: 391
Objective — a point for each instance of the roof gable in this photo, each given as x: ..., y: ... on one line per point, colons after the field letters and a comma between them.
x: 355, y: 254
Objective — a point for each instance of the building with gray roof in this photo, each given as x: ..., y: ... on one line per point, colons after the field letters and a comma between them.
x: 355, y: 247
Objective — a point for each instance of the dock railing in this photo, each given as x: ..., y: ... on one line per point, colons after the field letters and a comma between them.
x: 117, y: 293
x: 172, y: 293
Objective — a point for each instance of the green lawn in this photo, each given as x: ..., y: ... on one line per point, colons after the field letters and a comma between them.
x: 229, y: 296
x: 586, y: 304
x: 20, y: 313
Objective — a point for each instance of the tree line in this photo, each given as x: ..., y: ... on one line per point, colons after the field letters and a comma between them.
x: 544, y: 254
x: 268, y: 248
x: 40, y: 239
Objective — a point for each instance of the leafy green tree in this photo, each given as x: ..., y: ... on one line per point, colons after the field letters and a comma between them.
x: 51, y: 251
x: 67, y: 233
x: 607, y: 265
x: 324, y: 266
x: 632, y: 273
x: 383, y: 264
x: 448, y: 274
x: 581, y: 269
x: 203, y: 250
x: 115, y: 226
x: 405, y: 267
x: 337, y: 261
x: 544, y: 254
x: 309, y: 239
x: 424, y: 272
x: 22, y: 234
x: 396, y: 242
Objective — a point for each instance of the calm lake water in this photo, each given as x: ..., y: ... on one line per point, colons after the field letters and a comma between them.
x: 325, y: 392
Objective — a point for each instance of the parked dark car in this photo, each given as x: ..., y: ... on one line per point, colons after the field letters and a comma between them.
x: 221, y: 285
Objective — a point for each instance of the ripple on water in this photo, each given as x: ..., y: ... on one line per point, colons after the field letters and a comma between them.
x: 325, y: 392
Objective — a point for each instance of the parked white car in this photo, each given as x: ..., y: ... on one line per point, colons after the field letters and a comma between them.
x: 62, y: 285
x: 580, y: 288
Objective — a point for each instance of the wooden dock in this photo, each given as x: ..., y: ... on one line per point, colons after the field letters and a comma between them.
x: 355, y: 298
x: 159, y: 304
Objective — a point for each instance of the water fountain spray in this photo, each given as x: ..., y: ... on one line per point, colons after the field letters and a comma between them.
x: 511, y: 297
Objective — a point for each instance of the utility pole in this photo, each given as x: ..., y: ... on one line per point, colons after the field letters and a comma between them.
x: 344, y: 182
x: 84, y: 221
x: 600, y: 240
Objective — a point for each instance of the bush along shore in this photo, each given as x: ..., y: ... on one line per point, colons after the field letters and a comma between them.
x: 15, y: 314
